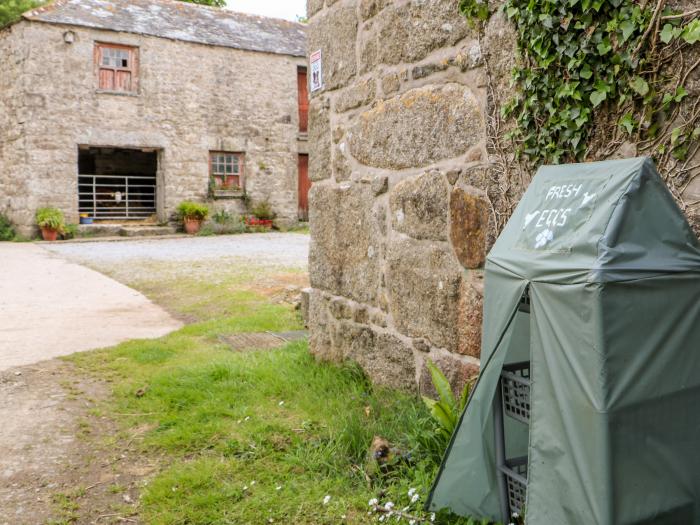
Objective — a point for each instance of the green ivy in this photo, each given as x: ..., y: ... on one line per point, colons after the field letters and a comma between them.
x: 582, y: 57
x: 474, y: 9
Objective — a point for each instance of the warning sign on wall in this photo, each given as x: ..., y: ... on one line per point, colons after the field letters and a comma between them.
x: 316, y: 73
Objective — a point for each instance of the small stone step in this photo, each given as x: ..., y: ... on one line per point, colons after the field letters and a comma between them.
x: 146, y: 231
x: 99, y: 230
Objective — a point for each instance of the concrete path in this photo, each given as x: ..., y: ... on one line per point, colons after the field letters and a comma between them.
x: 51, y: 307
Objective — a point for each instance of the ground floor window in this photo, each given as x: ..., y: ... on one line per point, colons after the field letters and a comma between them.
x: 226, y: 170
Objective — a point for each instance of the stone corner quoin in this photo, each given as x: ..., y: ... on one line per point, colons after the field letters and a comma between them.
x: 401, y: 219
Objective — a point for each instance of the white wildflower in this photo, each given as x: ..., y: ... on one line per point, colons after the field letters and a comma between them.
x: 278, y: 487
x: 326, y: 499
x: 389, y: 505
x: 252, y: 483
x: 412, y: 522
x: 432, y: 517
x: 373, y: 502
x: 411, y: 492
x: 281, y: 403
x: 415, y: 498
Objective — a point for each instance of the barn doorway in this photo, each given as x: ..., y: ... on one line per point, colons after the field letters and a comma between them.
x: 117, y: 184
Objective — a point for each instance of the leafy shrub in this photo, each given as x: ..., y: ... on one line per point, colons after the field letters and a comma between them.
x: 51, y: 219
x: 193, y: 210
x: 70, y: 231
x: 7, y: 231
x: 447, y: 410
x: 263, y: 210
x: 222, y: 217
x: 224, y: 223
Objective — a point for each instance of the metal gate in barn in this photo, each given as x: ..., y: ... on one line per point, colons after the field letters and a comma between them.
x: 117, y: 183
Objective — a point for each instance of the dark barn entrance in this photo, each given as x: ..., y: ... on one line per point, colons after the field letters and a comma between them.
x: 117, y: 183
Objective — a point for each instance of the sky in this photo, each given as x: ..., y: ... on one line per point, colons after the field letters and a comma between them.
x: 288, y: 9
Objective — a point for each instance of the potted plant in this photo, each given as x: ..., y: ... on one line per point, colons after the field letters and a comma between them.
x: 51, y: 222
x: 193, y: 214
x: 262, y: 215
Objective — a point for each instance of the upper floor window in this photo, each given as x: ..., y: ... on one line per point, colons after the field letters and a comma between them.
x: 117, y: 67
x: 226, y: 169
x: 303, y: 91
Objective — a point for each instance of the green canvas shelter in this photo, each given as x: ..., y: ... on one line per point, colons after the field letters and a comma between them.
x: 590, y: 359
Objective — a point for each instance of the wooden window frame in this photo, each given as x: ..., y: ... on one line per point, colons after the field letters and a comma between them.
x: 132, y: 69
x: 223, y: 184
x: 303, y: 99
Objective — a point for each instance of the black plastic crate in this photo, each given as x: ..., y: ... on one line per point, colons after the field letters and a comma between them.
x: 515, y: 389
x: 515, y: 472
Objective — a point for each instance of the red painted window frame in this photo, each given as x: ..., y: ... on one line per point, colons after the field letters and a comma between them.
x: 303, y: 89
x: 132, y: 69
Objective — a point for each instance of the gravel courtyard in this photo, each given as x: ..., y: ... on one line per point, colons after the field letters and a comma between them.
x: 281, y: 249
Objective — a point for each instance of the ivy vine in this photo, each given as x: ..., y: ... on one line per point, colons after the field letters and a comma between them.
x: 593, y: 74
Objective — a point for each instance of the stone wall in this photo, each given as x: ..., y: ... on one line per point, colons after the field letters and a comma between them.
x: 407, y: 200
x: 192, y: 99
x: 400, y: 214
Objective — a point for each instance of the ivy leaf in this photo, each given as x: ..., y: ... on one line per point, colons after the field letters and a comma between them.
x: 675, y: 134
x: 586, y: 72
x: 681, y: 93
x: 627, y: 122
x: 604, y: 47
x: 597, y: 98
x: 667, y: 33
x: 640, y: 85
x: 627, y: 28
x: 691, y: 32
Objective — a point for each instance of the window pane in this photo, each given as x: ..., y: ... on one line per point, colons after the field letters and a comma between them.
x: 229, y: 169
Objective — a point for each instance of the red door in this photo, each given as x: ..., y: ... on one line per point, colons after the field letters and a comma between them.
x: 303, y: 100
x: 304, y: 185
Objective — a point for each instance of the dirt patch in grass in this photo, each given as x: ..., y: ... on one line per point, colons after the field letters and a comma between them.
x: 60, y: 457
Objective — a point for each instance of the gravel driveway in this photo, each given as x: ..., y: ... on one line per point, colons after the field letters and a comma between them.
x: 279, y: 249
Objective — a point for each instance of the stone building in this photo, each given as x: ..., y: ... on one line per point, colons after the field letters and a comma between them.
x: 406, y: 201
x: 400, y: 219
x: 122, y: 109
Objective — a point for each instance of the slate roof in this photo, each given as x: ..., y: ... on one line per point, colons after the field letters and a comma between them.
x: 179, y: 21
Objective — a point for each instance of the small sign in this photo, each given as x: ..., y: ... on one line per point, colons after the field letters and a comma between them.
x: 562, y: 209
x: 316, y: 74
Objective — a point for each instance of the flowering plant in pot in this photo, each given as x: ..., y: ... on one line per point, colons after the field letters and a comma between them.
x: 193, y: 214
x: 262, y: 215
x: 51, y: 222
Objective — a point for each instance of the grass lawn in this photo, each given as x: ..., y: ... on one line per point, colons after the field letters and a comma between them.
x: 256, y: 437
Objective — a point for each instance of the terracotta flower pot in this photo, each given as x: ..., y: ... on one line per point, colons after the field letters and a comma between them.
x: 192, y: 226
x: 48, y: 234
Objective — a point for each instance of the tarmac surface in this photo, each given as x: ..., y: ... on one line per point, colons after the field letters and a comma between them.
x: 51, y: 307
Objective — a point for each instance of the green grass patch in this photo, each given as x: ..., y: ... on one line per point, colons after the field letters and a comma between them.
x: 257, y: 437
x: 248, y: 437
